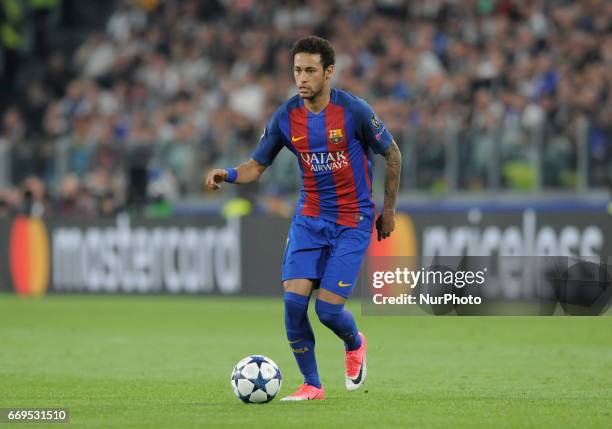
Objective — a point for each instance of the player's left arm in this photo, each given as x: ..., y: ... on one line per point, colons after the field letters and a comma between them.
x: 385, y: 223
x: 378, y: 138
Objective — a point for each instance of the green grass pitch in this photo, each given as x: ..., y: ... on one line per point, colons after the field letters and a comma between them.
x: 148, y: 362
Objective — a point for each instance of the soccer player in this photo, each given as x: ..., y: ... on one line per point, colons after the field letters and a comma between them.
x: 332, y: 133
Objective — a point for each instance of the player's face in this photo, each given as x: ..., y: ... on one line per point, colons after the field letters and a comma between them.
x: 310, y: 78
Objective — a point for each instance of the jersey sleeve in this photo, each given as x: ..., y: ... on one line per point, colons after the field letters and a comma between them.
x: 270, y: 142
x: 372, y: 129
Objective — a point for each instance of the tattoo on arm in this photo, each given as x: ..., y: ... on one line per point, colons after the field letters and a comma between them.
x: 393, y: 168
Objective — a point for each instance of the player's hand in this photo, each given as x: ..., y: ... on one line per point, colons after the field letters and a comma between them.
x: 214, y: 177
x: 385, y: 224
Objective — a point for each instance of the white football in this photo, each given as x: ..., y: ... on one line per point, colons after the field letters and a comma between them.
x: 256, y: 379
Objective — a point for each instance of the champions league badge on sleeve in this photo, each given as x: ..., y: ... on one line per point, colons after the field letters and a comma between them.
x: 376, y: 122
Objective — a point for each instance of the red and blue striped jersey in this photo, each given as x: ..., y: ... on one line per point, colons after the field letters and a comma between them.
x: 333, y: 149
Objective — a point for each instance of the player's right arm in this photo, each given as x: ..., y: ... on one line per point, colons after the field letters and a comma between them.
x: 246, y: 172
x: 270, y: 143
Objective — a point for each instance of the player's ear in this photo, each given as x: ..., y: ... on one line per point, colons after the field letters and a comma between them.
x: 329, y: 72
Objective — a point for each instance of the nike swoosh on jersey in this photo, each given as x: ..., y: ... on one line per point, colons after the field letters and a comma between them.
x: 297, y: 139
x: 341, y: 284
x: 296, y: 341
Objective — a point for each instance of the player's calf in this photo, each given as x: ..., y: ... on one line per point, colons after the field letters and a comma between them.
x: 340, y: 321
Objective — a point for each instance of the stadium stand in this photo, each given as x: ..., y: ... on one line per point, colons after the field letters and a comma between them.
x: 133, y: 101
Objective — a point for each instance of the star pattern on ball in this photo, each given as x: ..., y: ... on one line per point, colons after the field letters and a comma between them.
x: 256, y: 379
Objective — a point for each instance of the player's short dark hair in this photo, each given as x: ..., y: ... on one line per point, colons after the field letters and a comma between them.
x: 315, y: 45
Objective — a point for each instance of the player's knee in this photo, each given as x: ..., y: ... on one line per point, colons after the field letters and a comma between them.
x: 297, y: 326
x: 298, y: 286
x: 295, y: 304
x: 296, y: 308
x: 328, y: 313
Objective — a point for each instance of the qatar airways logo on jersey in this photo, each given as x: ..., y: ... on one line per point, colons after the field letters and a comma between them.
x: 324, y: 161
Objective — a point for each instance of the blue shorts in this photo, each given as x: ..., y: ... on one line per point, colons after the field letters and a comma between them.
x: 319, y: 249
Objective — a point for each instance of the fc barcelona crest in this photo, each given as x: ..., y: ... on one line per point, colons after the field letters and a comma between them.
x: 336, y: 136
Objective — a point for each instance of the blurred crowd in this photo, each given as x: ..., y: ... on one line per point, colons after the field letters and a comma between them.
x: 169, y: 88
